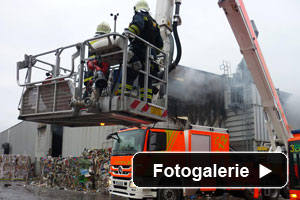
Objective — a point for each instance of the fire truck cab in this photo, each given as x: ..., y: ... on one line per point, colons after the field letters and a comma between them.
x: 294, y: 165
x: 130, y: 141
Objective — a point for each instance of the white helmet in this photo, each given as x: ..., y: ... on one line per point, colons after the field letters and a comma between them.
x: 103, y: 28
x: 141, y: 5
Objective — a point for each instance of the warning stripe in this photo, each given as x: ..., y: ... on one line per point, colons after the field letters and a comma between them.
x: 176, y: 134
x: 171, y: 136
x: 146, y: 107
x: 135, y: 103
x: 165, y: 113
x: 168, y: 139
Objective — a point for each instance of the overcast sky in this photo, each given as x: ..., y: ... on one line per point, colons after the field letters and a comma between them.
x: 35, y: 26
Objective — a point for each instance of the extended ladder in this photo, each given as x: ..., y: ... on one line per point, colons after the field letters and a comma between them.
x: 243, y: 31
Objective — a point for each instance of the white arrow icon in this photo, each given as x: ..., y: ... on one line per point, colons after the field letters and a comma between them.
x: 263, y: 171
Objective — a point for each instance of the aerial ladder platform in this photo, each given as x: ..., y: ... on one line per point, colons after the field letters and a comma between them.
x: 276, y: 121
x: 58, y: 98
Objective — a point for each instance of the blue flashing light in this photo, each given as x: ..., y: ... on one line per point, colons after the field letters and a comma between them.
x: 295, y: 131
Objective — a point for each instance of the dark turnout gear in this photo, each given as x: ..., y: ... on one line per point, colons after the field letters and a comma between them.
x: 144, y: 26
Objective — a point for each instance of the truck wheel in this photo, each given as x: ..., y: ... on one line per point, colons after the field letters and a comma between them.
x: 169, y: 194
x: 248, y: 194
x: 285, y: 192
x: 273, y: 194
x: 219, y: 192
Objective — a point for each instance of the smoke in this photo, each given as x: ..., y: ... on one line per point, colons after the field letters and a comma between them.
x: 291, y: 108
x: 187, y: 83
x: 196, y: 97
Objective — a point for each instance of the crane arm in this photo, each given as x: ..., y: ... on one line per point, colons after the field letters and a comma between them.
x: 168, y: 21
x: 243, y: 31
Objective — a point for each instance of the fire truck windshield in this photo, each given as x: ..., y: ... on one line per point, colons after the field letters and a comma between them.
x: 294, y: 157
x: 130, y: 142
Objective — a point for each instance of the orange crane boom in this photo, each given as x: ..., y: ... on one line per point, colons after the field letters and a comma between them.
x: 243, y: 31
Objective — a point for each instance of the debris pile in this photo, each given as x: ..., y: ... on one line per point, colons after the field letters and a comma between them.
x: 15, y: 167
x: 88, y: 172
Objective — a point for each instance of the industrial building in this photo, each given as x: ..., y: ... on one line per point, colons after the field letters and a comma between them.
x: 245, y: 118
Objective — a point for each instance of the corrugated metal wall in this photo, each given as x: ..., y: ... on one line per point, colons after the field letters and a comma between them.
x: 260, y: 129
x: 244, y: 115
x: 3, y: 139
x: 239, y: 120
x: 246, y: 124
x: 76, y: 139
x: 43, y: 140
x: 21, y: 137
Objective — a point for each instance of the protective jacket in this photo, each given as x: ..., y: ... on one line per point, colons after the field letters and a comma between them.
x: 144, y: 26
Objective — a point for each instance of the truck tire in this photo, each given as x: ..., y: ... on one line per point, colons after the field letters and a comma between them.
x: 169, y: 194
x: 219, y: 192
x: 249, y: 194
x: 285, y: 192
x: 274, y: 194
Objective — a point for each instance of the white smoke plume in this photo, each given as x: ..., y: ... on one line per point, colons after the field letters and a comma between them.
x: 292, y: 110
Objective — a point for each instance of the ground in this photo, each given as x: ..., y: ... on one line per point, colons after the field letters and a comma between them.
x: 22, y: 191
x: 12, y: 190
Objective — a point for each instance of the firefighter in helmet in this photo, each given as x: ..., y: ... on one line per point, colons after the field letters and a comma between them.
x: 144, y: 26
x: 97, y: 72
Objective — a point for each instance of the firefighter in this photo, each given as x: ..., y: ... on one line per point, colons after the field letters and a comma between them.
x: 144, y: 26
x: 98, y: 71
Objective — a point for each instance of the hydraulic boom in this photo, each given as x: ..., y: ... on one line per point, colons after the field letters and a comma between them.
x: 243, y: 31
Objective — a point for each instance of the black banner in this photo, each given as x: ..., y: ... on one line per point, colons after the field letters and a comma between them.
x: 226, y: 170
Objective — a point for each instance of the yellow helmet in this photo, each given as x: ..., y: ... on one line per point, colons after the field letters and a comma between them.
x: 141, y: 5
x: 103, y: 28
